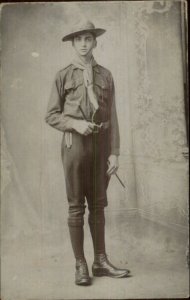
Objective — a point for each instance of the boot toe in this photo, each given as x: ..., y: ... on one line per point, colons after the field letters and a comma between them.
x: 83, y: 281
x: 121, y: 274
x: 98, y: 272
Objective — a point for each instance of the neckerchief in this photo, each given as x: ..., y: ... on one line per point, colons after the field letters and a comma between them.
x: 88, y: 78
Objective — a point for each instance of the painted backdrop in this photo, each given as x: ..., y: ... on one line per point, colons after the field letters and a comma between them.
x: 142, y: 48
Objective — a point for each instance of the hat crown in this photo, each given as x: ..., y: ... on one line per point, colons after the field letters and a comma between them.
x: 83, y: 25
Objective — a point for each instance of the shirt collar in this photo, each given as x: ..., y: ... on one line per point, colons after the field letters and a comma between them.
x: 95, y: 67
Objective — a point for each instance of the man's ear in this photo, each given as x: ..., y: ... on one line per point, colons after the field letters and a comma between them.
x: 95, y: 43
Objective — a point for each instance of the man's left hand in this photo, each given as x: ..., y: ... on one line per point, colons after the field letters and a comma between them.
x: 113, y: 164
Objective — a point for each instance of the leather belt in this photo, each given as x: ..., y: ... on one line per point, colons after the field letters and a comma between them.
x: 99, y: 127
x: 106, y: 125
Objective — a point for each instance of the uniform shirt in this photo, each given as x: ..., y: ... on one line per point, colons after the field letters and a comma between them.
x: 69, y: 91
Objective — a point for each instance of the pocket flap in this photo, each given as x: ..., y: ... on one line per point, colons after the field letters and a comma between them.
x: 101, y: 83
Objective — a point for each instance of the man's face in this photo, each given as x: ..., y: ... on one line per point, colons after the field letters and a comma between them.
x: 84, y: 44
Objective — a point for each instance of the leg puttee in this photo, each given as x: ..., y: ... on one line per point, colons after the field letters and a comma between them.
x: 76, y: 222
x: 96, y: 221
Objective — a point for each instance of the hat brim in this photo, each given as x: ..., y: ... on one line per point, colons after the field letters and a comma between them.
x: 96, y: 31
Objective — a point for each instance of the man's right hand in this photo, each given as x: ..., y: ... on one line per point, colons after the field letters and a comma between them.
x: 83, y: 127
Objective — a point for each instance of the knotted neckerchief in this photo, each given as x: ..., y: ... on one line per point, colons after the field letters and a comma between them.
x: 88, y: 78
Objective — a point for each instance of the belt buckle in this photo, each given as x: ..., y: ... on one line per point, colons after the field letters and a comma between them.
x: 97, y: 128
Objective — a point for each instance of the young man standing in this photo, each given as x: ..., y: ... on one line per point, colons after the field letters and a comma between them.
x: 82, y: 105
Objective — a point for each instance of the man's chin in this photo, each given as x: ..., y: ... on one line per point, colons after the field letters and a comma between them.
x: 83, y: 53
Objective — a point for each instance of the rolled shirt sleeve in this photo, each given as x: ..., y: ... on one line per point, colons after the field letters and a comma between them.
x: 54, y: 116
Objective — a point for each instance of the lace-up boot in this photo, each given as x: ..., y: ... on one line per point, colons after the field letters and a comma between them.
x: 82, y: 274
x: 102, y: 267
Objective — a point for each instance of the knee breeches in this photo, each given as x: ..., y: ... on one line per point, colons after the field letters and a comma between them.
x: 85, y: 167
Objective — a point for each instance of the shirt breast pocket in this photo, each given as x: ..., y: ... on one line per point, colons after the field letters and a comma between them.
x: 74, y: 89
x: 102, y: 90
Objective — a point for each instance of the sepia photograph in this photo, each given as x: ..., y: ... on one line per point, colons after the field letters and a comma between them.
x: 94, y: 150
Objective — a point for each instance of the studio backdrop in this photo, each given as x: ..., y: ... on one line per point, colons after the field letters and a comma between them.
x: 143, y: 48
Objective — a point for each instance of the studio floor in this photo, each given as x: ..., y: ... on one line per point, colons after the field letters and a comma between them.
x: 41, y: 266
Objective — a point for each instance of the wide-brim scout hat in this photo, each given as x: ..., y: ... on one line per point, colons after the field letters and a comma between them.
x: 83, y: 27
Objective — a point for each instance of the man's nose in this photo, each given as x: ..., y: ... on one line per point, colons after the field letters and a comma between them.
x: 83, y: 42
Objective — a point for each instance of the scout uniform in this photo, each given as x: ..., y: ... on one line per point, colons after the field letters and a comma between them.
x: 76, y: 95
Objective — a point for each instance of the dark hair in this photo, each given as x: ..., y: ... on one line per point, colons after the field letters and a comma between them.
x: 94, y: 36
